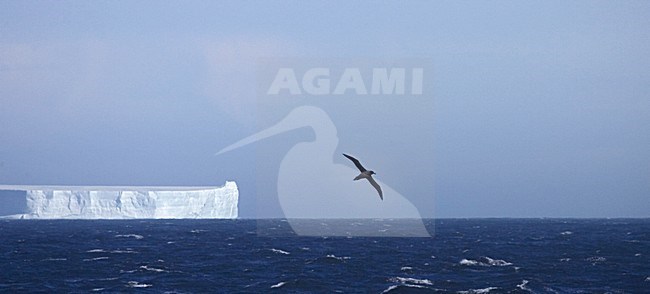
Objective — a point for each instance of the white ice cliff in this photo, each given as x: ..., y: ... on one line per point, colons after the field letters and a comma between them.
x: 132, y: 202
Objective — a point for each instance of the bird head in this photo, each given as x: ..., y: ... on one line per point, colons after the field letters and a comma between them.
x: 372, y: 172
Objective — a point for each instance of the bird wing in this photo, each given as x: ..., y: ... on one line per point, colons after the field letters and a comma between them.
x: 356, y: 162
x: 374, y: 184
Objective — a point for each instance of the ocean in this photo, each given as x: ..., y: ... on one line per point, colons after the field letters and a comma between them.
x: 222, y: 256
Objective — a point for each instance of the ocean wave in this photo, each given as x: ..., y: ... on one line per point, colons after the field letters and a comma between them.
x: 55, y: 259
x: 107, y: 279
x: 280, y: 251
x: 135, y: 284
x: 595, y: 259
x: 390, y: 288
x: 411, y: 281
x: 95, y: 250
x: 566, y: 233
x: 406, y: 268
x: 478, y: 291
x: 278, y: 285
x: 332, y: 256
x: 484, y: 261
x: 468, y: 262
x: 398, y: 288
x: 130, y: 236
x: 96, y: 258
x: 522, y: 286
x: 152, y: 269
x: 127, y: 251
x: 497, y: 262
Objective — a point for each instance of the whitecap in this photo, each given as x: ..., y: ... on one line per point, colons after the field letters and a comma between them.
x: 152, y: 269
x: 468, y: 262
x: 497, y: 262
x: 637, y: 255
x: 406, y: 268
x: 485, y: 261
x: 96, y: 258
x: 123, y: 251
x: 280, y: 251
x: 647, y: 279
x: 596, y: 259
x: 566, y: 233
x: 95, y: 250
x: 478, y: 291
x: 565, y: 259
x: 135, y: 284
x: 391, y: 288
x: 98, y: 289
x: 336, y: 257
x: 394, y: 287
x: 278, y: 285
x: 108, y: 279
x: 197, y: 231
x: 523, y: 284
x: 411, y: 281
x: 130, y: 236
x: 55, y: 259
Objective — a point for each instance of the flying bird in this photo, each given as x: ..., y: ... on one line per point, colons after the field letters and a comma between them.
x: 365, y: 174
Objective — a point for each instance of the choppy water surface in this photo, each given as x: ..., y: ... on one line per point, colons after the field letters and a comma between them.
x: 465, y: 256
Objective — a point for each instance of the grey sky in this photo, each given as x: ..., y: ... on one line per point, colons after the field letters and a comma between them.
x: 538, y: 108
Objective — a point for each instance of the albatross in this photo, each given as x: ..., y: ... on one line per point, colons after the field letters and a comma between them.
x: 365, y: 174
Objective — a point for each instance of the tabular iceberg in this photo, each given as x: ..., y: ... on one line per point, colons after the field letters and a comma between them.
x: 133, y: 202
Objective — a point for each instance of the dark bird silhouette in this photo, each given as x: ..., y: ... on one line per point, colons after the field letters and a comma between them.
x: 366, y: 174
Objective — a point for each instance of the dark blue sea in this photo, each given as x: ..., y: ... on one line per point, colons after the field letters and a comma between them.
x: 199, y: 256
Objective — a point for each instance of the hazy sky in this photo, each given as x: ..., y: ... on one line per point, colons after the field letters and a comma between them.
x: 538, y: 108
